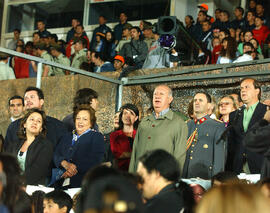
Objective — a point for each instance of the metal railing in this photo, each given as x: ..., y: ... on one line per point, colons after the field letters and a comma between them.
x: 163, y: 77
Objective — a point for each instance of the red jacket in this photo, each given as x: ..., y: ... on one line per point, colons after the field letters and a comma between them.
x: 119, y: 144
x: 215, y: 54
x: 21, y: 67
x: 261, y: 34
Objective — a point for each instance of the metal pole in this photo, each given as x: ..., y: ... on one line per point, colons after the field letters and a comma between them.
x: 39, y: 74
x: 120, y: 95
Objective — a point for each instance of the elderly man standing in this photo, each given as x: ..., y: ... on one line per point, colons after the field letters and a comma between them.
x: 163, y: 129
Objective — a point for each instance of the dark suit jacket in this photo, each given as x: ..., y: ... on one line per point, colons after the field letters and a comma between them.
x: 55, y: 130
x: 38, y: 159
x: 237, y: 153
x: 87, y: 152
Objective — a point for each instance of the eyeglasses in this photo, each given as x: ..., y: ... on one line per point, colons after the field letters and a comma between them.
x: 224, y: 103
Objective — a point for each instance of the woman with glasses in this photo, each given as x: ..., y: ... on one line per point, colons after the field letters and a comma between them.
x: 226, y: 105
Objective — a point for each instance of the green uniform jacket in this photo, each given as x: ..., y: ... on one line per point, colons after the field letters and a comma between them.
x: 61, y: 59
x: 168, y: 132
x: 45, y: 55
x: 79, y: 58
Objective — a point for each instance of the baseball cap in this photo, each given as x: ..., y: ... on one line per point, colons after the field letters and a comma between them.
x: 119, y: 58
x: 205, y: 6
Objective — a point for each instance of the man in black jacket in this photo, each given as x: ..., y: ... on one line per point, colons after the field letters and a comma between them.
x: 34, y: 98
x: 240, y: 122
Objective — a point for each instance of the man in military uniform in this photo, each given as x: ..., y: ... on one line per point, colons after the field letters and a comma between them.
x: 42, y: 52
x: 80, y: 53
x: 163, y: 129
x: 206, y: 151
x: 59, y: 58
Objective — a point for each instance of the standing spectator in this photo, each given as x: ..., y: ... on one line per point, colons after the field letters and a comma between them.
x: 80, y: 55
x: 206, y: 152
x: 71, y: 33
x: 252, y: 5
x: 228, y: 51
x: 126, y: 37
x: 122, y: 140
x: 16, y: 36
x: 36, y: 38
x: 109, y: 46
x: 240, y: 123
x: 148, y: 33
x: 101, y: 64
x: 78, y: 151
x: 42, y: 31
x: 217, y: 14
x: 250, y: 21
x: 239, y: 21
x: 202, y: 17
x: 59, y: 58
x: 102, y: 28
x: 33, y: 151
x: 6, y: 72
x: 226, y: 105
x: 118, y: 29
x: 261, y: 31
x: 261, y: 13
x: 189, y: 21
x: 135, y: 49
x: 204, y: 7
x: 151, y: 135
x: 207, y: 34
x: 224, y: 23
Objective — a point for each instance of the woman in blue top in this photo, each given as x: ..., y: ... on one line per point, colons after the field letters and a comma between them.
x: 80, y: 150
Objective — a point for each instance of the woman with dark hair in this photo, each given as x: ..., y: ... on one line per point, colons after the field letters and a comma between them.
x: 228, y: 51
x: 33, y: 151
x: 122, y: 139
x: 109, y: 46
x: 78, y: 151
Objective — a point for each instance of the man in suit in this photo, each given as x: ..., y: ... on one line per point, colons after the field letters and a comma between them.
x: 240, y: 122
x: 206, y: 150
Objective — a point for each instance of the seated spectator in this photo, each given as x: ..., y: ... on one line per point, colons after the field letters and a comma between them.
x: 37, y: 201
x: 42, y: 31
x: 126, y: 37
x: 247, y: 53
x: 60, y: 59
x: 71, y: 33
x: 57, y: 201
x: 207, y: 34
x: 109, y: 46
x: 98, y: 45
x: 53, y: 39
x: 223, y: 178
x: 118, y: 64
x: 228, y: 51
x: 260, y: 32
x: 225, y: 106
x: 233, y: 198
x: 239, y: 21
x: 257, y: 47
x: 252, y: 5
x: 216, y: 43
x: 102, y: 28
x: 202, y: 17
x: 148, y: 33
x: 118, y: 29
x: 250, y: 21
x: 189, y: 22
x: 260, y: 12
x: 248, y: 35
x: 78, y: 151
x: 42, y: 52
x: 36, y: 38
x: 160, y: 172
x: 6, y: 72
x: 223, y: 34
x: 101, y: 64
x: 122, y: 140
x: 80, y: 55
x: 33, y: 151
x: 224, y: 23
x: 135, y: 49
x: 16, y: 36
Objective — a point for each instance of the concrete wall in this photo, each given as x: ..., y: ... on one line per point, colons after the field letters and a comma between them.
x: 59, y: 92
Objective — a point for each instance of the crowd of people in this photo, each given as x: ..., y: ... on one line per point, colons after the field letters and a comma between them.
x: 156, y: 163
x: 126, y: 48
x: 144, y: 161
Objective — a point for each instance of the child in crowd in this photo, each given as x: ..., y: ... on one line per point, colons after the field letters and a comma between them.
x: 57, y: 201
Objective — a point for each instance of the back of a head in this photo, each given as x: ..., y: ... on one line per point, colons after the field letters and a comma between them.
x: 233, y: 198
x: 113, y: 194
x: 85, y: 96
x: 23, y: 203
x: 61, y: 198
x: 163, y: 162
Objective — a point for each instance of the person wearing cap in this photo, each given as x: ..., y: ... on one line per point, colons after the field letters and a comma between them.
x: 118, y: 29
x: 102, y: 28
x: 80, y: 55
x: 204, y: 7
x: 6, y: 72
x: 60, y: 59
x: 122, y: 139
x: 148, y: 33
x: 135, y: 49
x: 126, y: 37
x: 42, y: 52
x: 118, y: 63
